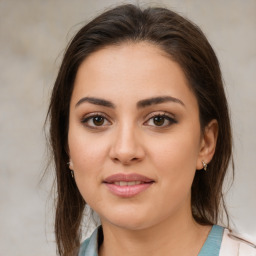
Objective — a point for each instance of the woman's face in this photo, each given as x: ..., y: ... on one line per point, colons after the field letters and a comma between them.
x: 134, y: 136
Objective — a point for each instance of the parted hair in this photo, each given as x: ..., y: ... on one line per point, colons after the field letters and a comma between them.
x: 185, y: 44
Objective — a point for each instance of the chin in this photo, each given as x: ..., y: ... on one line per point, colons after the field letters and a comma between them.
x: 129, y: 220
x: 131, y: 225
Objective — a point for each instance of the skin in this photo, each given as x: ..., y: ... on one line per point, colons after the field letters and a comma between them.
x: 126, y: 139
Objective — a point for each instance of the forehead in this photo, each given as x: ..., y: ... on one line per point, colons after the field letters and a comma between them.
x: 131, y: 69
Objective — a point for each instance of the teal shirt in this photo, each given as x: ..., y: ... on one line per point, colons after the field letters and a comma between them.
x: 211, y: 246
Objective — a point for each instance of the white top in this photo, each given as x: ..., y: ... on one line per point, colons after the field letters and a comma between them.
x: 233, y: 245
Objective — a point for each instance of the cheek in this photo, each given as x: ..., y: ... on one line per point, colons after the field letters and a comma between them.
x: 86, y: 150
x: 88, y: 154
x: 178, y: 151
x: 175, y: 158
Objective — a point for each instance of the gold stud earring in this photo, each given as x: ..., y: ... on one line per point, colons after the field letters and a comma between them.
x: 204, y: 165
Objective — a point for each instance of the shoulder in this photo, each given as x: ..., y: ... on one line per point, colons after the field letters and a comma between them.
x: 234, y: 244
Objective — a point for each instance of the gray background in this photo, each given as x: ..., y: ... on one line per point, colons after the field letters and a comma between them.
x: 33, y: 35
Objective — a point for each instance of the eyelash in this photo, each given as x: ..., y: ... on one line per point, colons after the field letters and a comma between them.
x: 165, y: 116
x: 92, y: 117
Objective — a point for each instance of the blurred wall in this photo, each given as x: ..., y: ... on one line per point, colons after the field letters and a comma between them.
x: 33, y: 35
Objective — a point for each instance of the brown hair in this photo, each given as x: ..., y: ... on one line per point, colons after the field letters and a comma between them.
x: 186, y: 44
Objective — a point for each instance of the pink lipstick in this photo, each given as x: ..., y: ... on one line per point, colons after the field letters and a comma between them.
x: 127, y: 185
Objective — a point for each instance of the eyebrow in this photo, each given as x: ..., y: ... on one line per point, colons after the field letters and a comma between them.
x: 140, y: 104
x: 96, y: 101
x: 158, y: 100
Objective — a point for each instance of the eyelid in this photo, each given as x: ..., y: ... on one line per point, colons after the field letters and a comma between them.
x: 91, y: 115
x: 160, y: 113
x: 171, y: 118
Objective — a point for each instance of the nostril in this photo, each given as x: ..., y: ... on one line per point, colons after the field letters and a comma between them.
x: 126, y: 162
x: 135, y: 159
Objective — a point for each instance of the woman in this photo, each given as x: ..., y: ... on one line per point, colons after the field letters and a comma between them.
x: 139, y: 113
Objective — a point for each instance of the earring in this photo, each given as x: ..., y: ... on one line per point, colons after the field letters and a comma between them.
x: 204, y: 165
x: 71, y: 171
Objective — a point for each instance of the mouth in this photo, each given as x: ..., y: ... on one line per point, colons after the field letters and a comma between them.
x: 127, y: 185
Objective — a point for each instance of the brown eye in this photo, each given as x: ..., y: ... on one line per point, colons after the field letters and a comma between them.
x: 94, y: 121
x: 98, y: 120
x: 159, y: 120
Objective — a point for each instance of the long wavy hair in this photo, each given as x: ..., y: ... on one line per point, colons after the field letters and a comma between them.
x: 186, y: 44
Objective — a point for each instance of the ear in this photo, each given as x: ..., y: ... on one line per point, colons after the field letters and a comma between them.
x: 208, y: 144
x: 70, y: 164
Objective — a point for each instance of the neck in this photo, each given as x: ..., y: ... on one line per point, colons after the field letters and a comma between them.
x: 170, y: 237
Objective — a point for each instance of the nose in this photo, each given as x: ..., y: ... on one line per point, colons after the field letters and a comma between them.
x: 127, y: 146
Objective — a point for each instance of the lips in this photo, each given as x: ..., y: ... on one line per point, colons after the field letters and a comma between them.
x: 127, y: 185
